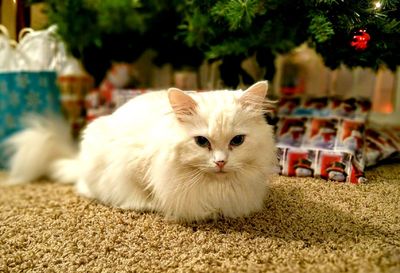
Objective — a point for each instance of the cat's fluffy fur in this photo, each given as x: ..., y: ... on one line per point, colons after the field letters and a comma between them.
x: 144, y: 156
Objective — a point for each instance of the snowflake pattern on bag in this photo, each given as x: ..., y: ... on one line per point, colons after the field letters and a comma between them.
x: 26, y: 92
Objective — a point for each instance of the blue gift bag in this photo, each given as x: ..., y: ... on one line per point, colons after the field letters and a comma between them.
x: 22, y: 93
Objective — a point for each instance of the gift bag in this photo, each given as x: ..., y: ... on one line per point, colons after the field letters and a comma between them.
x: 10, y: 57
x: 41, y: 50
x: 28, y: 78
x: 22, y: 93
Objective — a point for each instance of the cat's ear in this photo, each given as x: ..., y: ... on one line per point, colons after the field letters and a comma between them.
x: 182, y: 104
x: 255, y: 94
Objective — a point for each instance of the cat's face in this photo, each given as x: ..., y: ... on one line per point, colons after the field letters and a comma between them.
x: 220, y: 149
x: 225, y: 133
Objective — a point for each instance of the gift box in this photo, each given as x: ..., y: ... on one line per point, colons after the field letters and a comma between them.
x: 101, y: 102
x: 382, y: 142
x: 322, y: 137
x: 74, y: 89
x: 22, y: 93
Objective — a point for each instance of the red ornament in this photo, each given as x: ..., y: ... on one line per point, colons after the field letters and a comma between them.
x: 360, y: 39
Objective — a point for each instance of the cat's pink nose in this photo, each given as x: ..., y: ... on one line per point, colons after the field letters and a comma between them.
x: 220, y: 163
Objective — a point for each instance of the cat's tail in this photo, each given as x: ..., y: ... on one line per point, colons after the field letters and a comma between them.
x: 44, y: 148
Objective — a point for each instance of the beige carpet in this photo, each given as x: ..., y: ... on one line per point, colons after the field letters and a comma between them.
x: 308, y: 225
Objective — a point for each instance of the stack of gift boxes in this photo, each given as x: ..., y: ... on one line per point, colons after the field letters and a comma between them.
x: 322, y: 137
x: 331, y: 138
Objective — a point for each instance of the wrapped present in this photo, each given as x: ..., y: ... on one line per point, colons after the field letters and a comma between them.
x: 101, y: 102
x: 112, y: 92
x: 74, y: 89
x: 322, y: 137
x: 381, y: 142
x: 22, y: 93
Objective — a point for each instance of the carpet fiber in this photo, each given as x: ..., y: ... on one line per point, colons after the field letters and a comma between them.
x: 308, y: 225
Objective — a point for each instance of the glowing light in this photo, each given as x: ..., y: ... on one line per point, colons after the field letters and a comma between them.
x: 386, y: 108
x: 378, y: 5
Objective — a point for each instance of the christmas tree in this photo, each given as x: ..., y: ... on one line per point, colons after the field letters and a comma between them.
x: 355, y: 33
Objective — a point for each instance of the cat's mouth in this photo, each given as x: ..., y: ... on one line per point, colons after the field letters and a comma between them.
x: 220, y: 171
x: 217, y: 171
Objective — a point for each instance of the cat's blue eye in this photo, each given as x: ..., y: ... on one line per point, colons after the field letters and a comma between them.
x: 237, y: 140
x: 202, y: 141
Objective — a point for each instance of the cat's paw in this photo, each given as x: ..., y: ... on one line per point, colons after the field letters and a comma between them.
x: 142, y: 206
x: 12, y: 181
x: 83, y: 189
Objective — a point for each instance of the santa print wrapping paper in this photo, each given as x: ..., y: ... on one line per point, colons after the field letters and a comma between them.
x: 381, y: 142
x: 322, y: 137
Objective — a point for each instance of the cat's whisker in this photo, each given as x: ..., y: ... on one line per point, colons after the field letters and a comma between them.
x: 193, y: 181
x: 183, y: 191
x: 187, y: 178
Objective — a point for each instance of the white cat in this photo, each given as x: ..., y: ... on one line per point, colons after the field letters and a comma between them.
x: 190, y: 156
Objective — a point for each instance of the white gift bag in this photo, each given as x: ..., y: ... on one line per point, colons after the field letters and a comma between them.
x: 42, y: 50
x: 10, y: 58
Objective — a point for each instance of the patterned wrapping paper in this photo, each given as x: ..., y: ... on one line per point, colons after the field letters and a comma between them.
x: 105, y: 101
x: 381, y: 142
x: 22, y: 93
x: 73, y: 96
x: 322, y: 137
